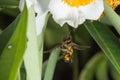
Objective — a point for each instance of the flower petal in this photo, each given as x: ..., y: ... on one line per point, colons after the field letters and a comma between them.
x: 62, y: 13
x: 94, y: 10
x: 42, y: 5
x: 41, y: 8
x: 28, y: 2
x: 40, y: 22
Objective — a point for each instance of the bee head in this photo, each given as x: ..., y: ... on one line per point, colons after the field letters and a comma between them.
x: 67, y: 40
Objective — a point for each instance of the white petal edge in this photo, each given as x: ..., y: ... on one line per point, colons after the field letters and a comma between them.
x: 28, y: 2
x: 41, y: 6
x: 62, y: 14
x: 94, y: 10
x: 39, y: 9
x: 41, y: 22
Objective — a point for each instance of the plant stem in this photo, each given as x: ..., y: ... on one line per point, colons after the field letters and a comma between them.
x: 112, y: 16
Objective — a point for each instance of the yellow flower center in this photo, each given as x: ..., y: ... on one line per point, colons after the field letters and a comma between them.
x: 77, y: 3
x: 113, y: 3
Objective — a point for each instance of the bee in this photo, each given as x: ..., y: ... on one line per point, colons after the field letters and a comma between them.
x: 68, y: 47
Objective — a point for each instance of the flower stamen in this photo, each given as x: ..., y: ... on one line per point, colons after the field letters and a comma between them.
x: 78, y: 3
x: 113, y: 3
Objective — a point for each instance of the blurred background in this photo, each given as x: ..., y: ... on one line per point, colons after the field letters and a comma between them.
x: 82, y: 60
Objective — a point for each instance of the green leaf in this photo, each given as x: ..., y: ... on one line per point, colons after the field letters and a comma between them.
x: 12, y: 56
x: 31, y: 58
x: 23, y: 73
x: 44, y: 68
x: 102, y: 69
x: 45, y: 65
x: 19, y: 75
x: 51, y: 64
x: 115, y: 75
x: 10, y: 11
x: 112, y: 17
x: 9, y: 3
x: 51, y: 37
x: 75, y: 66
x: 89, y: 69
x: 107, y: 41
x: 105, y: 20
x: 9, y: 7
x: 7, y: 33
x: 40, y: 40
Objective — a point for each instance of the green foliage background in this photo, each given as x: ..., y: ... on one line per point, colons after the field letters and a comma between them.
x: 26, y: 56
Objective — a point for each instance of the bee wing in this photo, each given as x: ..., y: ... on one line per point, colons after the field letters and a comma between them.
x: 79, y: 47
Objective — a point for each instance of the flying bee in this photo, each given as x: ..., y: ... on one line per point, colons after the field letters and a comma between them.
x: 68, y: 47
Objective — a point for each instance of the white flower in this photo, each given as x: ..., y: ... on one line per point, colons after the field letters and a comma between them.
x: 41, y: 9
x: 75, y: 12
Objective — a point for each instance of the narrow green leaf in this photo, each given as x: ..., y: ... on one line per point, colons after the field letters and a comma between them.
x: 112, y: 16
x: 12, y: 56
x: 19, y: 75
x: 44, y: 68
x: 9, y: 3
x: 75, y: 66
x: 23, y: 73
x: 10, y: 11
x: 51, y: 64
x: 9, y: 7
x: 45, y: 65
x: 107, y: 41
x: 89, y: 69
x: 105, y: 20
x: 31, y: 58
x: 114, y: 74
x: 40, y: 40
x: 102, y: 70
